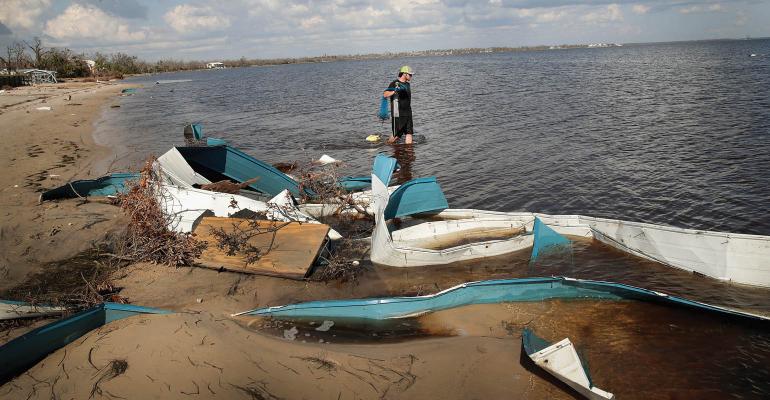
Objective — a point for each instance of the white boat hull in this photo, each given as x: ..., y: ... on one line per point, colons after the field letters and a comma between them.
x: 733, y: 257
x: 386, y: 250
x: 562, y: 361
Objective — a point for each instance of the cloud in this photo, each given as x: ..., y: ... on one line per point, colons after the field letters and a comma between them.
x: 542, y: 15
x: 611, y: 13
x: 186, y: 18
x: 88, y: 22
x: 640, y: 8
x: 715, y: 7
x: 312, y: 22
x: 120, y: 8
x: 22, y: 13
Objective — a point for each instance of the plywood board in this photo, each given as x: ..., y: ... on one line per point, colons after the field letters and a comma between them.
x: 293, y: 246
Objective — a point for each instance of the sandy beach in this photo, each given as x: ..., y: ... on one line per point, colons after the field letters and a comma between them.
x: 212, y: 357
x: 47, y: 132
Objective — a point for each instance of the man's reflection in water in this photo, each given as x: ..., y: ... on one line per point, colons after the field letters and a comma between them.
x: 404, y: 154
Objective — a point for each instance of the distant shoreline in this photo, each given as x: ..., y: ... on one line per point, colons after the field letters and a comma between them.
x: 229, y: 64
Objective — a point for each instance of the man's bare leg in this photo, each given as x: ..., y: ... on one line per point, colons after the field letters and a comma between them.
x: 392, y: 139
x: 408, y: 139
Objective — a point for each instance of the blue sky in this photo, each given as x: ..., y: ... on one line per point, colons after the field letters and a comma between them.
x: 208, y: 30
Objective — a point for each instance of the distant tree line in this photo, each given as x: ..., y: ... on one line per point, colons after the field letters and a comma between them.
x: 68, y: 64
x: 32, y: 54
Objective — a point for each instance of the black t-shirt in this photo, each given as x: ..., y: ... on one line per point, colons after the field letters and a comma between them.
x: 403, y: 97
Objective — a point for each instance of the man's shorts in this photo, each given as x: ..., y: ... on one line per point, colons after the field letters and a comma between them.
x: 402, y: 126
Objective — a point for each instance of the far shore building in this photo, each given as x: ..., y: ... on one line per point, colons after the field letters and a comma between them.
x: 215, y: 65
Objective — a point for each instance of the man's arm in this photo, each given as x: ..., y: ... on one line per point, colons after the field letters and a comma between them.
x: 389, y: 91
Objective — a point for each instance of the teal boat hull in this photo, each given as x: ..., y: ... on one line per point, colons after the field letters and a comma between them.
x: 109, y: 185
x: 25, y: 351
x: 418, y: 196
x: 485, y: 292
x: 223, y: 162
x: 355, y: 183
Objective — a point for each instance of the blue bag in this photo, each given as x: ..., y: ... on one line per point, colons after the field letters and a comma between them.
x: 384, y: 109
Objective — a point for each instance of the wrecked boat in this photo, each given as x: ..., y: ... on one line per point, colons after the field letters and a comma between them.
x: 562, y: 361
x: 426, y: 243
x: 217, y: 163
x: 733, y: 257
x: 186, y: 204
x: 739, y: 258
x: 488, y: 292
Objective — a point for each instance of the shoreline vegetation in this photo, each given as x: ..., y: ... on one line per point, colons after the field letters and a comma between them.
x: 69, y: 64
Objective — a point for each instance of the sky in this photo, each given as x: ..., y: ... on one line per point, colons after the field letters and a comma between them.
x: 260, y: 29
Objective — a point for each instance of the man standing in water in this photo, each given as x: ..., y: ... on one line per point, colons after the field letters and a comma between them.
x: 400, y: 94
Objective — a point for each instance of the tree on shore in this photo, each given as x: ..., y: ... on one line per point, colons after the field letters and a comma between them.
x: 37, y: 50
x: 15, y: 57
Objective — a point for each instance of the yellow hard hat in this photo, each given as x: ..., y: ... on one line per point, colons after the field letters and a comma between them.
x: 406, y: 70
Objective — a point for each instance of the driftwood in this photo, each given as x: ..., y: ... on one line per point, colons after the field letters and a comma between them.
x: 226, y: 186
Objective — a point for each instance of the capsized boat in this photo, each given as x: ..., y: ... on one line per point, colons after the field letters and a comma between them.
x: 561, y: 360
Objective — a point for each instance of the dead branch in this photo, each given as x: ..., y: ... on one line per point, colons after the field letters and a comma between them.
x: 148, y: 237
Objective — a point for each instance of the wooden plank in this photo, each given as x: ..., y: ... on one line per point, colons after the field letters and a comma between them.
x: 295, y: 246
